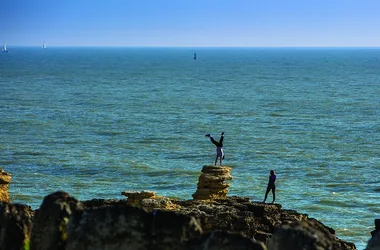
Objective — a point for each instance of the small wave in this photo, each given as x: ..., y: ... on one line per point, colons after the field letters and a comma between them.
x: 347, y: 184
x: 336, y: 203
x: 171, y: 174
x: 265, y: 152
x: 109, y: 133
x: 374, y: 210
x: 183, y: 156
x: 80, y: 185
x: 276, y: 115
x: 315, y: 174
x: 32, y: 153
x: 347, y: 232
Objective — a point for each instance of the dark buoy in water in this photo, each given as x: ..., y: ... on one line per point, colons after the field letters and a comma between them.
x: 195, y: 56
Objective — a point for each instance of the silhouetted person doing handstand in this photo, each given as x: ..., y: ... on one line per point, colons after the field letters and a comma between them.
x: 219, y: 148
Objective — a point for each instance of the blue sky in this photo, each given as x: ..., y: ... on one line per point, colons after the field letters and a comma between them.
x: 191, y: 23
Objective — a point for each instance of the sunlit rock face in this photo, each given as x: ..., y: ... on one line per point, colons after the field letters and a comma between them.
x: 212, y: 183
x: 5, y: 179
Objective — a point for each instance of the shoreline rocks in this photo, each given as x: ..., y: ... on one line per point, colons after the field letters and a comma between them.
x: 5, y: 179
x: 212, y: 220
x: 62, y: 222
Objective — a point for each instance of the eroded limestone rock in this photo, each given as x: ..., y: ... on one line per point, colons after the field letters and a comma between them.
x: 148, y: 200
x: 138, y: 195
x: 5, y: 179
x: 211, y: 183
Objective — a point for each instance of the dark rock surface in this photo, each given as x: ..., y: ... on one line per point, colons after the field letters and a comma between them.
x: 222, y: 240
x: 128, y: 227
x: 62, y: 222
x: 374, y: 242
x: 49, y: 225
x: 307, y: 235
x: 192, y: 223
x: 15, y: 226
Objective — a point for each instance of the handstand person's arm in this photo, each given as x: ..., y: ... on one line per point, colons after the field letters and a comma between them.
x: 221, y: 139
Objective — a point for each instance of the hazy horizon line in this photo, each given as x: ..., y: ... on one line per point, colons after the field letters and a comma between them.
x: 173, y: 46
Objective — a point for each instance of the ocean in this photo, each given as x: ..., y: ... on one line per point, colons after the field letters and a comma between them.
x: 96, y: 121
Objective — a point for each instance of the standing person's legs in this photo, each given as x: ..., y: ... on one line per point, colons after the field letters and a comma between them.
x: 266, y: 194
x: 274, y: 193
x: 221, y: 156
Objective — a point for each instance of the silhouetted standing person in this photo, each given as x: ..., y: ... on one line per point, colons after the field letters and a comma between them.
x: 271, y: 186
x: 219, y: 148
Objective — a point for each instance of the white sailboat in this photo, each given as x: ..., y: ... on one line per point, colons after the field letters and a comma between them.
x: 44, y: 45
x: 4, y: 49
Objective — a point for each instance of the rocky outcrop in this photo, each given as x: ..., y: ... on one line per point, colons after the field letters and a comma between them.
x: 148, y: 199
x: 62, y: 222
x: 128, y: 227
x: 199, y: 222
x: 5, y: 179
x: 212, y: 220
x: 49, y: 226
x: 251, y: 219
x: 15, y: 226
x: 374, y: 242
x: 309, y: 234
x: 211, y: 183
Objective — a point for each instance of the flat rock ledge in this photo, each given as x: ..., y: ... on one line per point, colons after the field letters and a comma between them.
x: 5, y: 179
x: 138, y: 195
x: 148, y: 199
x: 212, y: 183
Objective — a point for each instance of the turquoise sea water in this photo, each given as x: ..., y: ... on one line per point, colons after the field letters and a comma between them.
x: 97, y: 121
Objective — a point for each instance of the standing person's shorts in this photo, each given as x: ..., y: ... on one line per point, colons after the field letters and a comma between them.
x: 219, y: 152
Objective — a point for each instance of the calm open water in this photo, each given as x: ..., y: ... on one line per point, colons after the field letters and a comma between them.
x: 97, y: 121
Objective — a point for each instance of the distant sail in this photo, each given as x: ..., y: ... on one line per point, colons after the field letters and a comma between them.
x: 44, y: 45
x: 4, y: 49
